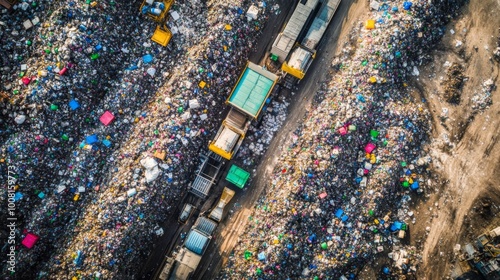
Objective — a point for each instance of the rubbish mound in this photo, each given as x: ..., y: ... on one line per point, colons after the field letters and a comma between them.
x: 454, y: 83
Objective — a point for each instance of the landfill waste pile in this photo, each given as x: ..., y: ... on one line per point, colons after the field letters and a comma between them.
x: 101, y: 145
x: 261, y: 134
x: 340, y: 193
x: 482, y: 100
x: 454, y: 83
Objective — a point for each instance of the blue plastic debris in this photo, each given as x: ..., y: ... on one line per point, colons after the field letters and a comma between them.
x: 312, y: 238
x: 106, y: 143
x: 407, y: 5
x: 147, y: 58
x: 18, y: 196
x: 261, y: 256
x: 397, y: 225
x: 91, y: 139
x: 361, y: 98
x: 79, y: 258
x: 73, y: 104
x: 132, y: 67
x: 339, y: 213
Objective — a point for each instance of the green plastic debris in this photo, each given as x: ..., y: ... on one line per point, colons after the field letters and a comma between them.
x: 65, y: 137
x: 403, y: 163
x: 180, y: 110
x: 94, y: 56
x: 406, y: 184
x: 374, y: 134
x: 371, y: 213
x: 47, y: 51
x: 248, y: 255
x: 364, y: 63
x: 324, y: 246
x: 274, y: 57
x: 54, y: 107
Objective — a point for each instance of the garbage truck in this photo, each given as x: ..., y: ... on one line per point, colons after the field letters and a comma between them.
x: 206, y: 174
x: 157, y: 11
x: 217, y: 212
x: 189, y: 256
x: 246, y: 101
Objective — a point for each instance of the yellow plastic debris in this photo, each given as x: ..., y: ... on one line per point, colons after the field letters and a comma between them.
x: 372, y: 80
x: 228, y: 27
x: 370, y: 24
x: 160, y: 154
x: 76, y: 197
x: 202, y: 84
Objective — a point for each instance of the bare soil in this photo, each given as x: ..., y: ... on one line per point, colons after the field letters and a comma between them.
x: 464, y: 146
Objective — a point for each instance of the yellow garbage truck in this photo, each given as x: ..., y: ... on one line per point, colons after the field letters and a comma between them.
x: 157, y: 11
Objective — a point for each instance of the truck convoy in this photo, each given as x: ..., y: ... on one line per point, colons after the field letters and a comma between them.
x: 296, y: 46
x: 295, y: 49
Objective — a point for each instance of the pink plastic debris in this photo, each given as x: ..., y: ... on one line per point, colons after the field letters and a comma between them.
x: 342, y: 131
x: 107, y: 118
x: 369, y: 148
x: 63, y: 71
x: 30, y: 240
